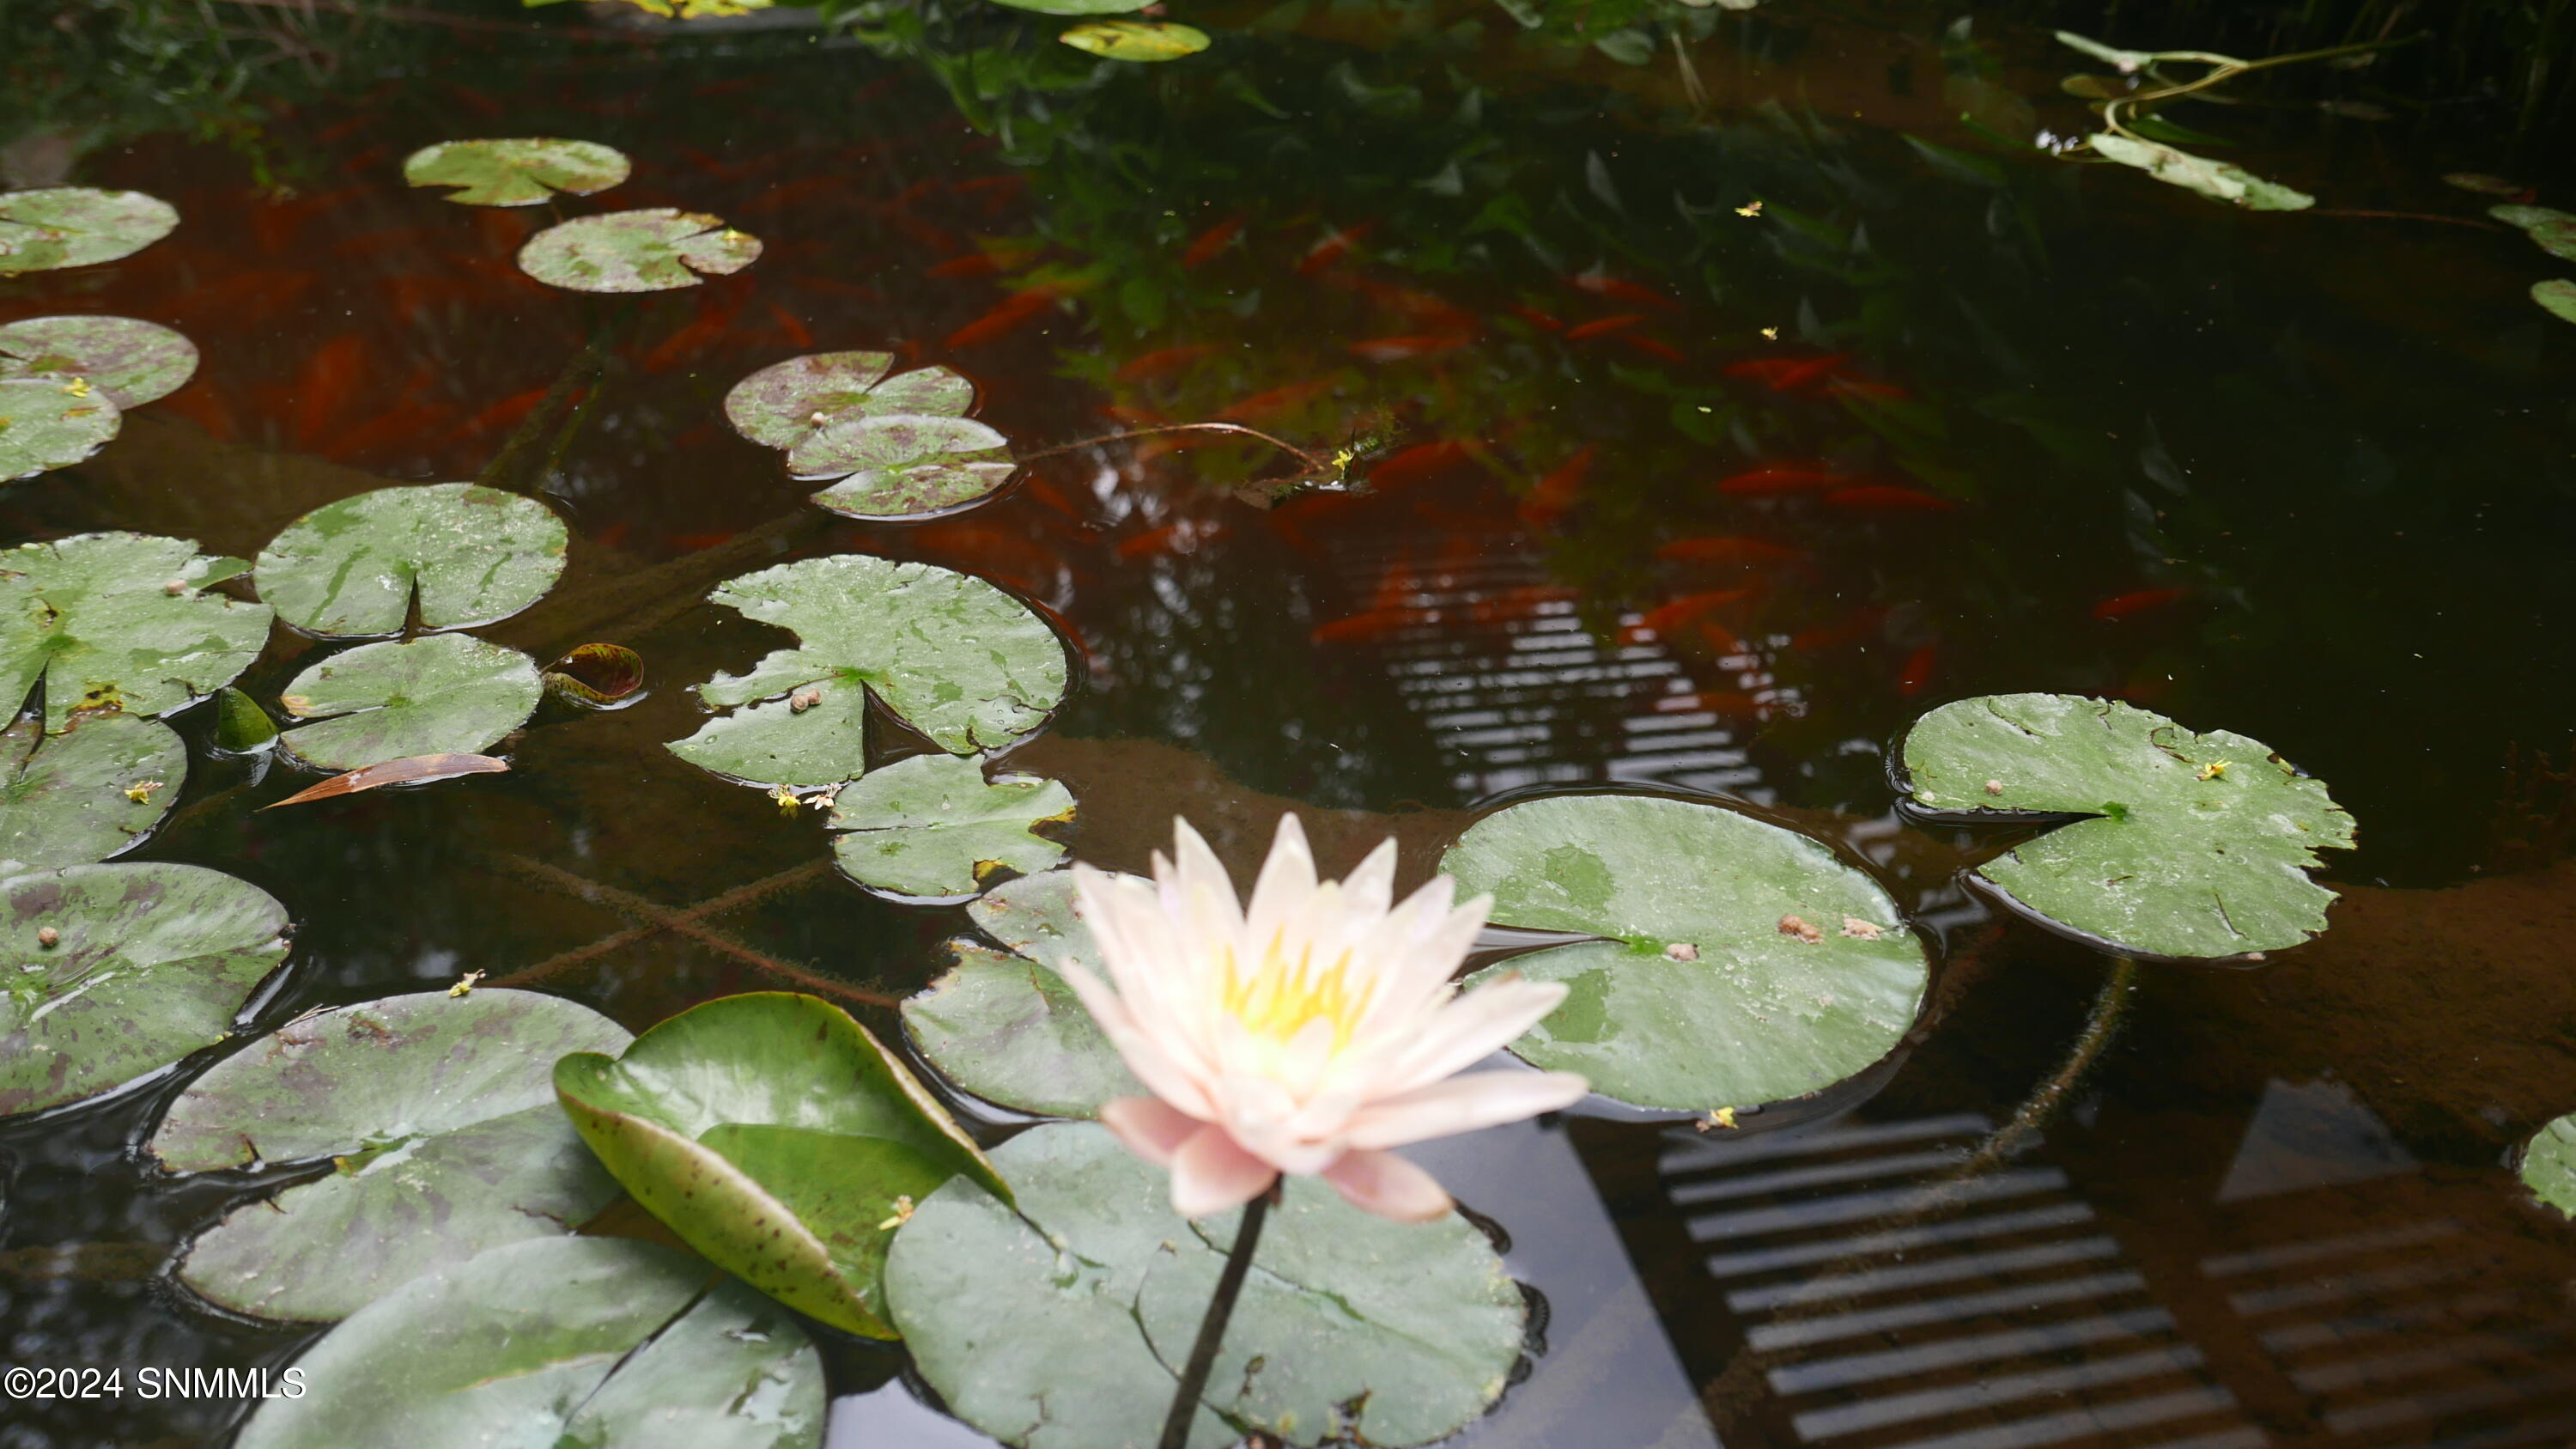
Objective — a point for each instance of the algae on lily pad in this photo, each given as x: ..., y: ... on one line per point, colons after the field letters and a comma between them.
x: 1139, y: 40
x: 147, y: 963
x: 120, y: 621
x: 519, y: 171
x: 52, y: 422
x: 1743, y: 963
x: 901, y: 444
x: 652, y: 250
x: 132, y: 362
x: 77, y: 226
x: 557, y: 1341
x: 1004, y: 1025
x: 443, y: 694
x: 932, y: 828
x: 947, y: 653
x: 2214, y: 179
x: 438, y: 1116
x: 85, y: 794
x: 778, y: 1138
x: 471, y: 555
x: 2548, y: 1165
x: 2193, y: 845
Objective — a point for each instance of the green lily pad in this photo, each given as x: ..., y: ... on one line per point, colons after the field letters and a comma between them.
x: 1139, y: 40
x: 2196, y: 845
x: 149, y: 963
x: 2557, y: 296
x: 515, y: 172
x: 2553, y: 232
x: 241, y: 726
x: 51, y: 422
x: 902, y: 444
x: 1744, y: 963
x: 931, y: 828
x: 1077, y: 7
x: 133, y: 362
x: 947, y: 653
x: 777, y: 1137
x: 120, y: 621
x: 77, y: 226
x: 557, y: 1341
x: 1051, y: 1326
x: 85, y: 794
x: 438, y: 1114
x: 446, y: 694
x: 652, y: 250
x: 2214, y: 179
x: 1004, y: 1025
x: 472, y: 555
x: 2549, y: 1165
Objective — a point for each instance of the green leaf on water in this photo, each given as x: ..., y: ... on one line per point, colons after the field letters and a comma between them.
x: 563, y: 1342
x: 1004, y: 1025
x: 2483, y: 184
x: 2548, y: 1165
x: 51, y: 422
x: 515, y: 172
x: 120, y: 621
x: 445, y: 694
x: 901, y: 443
x: 472, y: 556
x: 241, y: 726
x: 77, y: 226
x: 1744, y: 963
x: 2128, y: 61
x: 1077, y: 7
x: 777, y: 1137
x: 2557, y: 296
x: 132, y: 362
x: 932, y: 828
x: 149, y: 962
x: 2214, y: 179
x: 2208, y: 855
x: 2552, y: 231
x: 1139, y: 40
x: 438, y: 1115
x: 652, y: 250
x: 85, y: 794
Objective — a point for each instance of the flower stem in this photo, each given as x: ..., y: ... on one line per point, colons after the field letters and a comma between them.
x: 1185, y: 1403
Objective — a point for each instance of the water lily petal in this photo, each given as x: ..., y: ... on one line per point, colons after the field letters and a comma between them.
x: 1161, y: 1075
x: 1211, y: 1172
x: 1371, y: 887
x: 1148, y: 1127
x: 1462, y: 1104
x: 1465, y: 1031
x: 1387, y: 1185
x: 1284, y: 907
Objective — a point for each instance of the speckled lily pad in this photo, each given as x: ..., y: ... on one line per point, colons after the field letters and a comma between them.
x: 120, y: 621
x: 932, y: 828
x: 131, y: 361
x: 445, y: 694
x: 516, y: 171
x: 653, y: 250
x: 84, y: 794
x: 51, y: 422
x: 76, y: 226
x: 475, y: 556
x: 901, y: 443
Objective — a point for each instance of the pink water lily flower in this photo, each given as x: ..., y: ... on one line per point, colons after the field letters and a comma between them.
x: 1308, y: 1031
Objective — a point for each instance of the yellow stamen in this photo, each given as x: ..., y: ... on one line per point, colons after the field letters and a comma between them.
x: 1277, y: 998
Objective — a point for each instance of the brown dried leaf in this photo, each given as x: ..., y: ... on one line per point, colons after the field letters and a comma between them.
x: 417, y: 769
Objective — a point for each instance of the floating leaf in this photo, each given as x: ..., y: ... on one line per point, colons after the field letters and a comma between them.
x: 559, y: 1341
x: 440, y: 695
x: 2214, y: 179
x: 120, y: 621
x: 931, y: 828
x: 2558, y: 296
x: 241, y: 726
x: 1077, y: 7
x: 904, y: 441
x: 77, y: 226
x: 2128, y: 61
x: 515, y: 172
x: 84, y: 794
x: 1052, y: 1326
x: 1005, y: 1026
x: 2552, y: 231
x: 653, y: 250
x: 597, y: 676
x: 2549, y: 1165
x: 2197, y: 845
x: 148, y: 963
x: 2094, y: 87
x: 417, y: 770
x: 132, y: 362
x: 472, y: 556
x: 1141, y: 40
x: 2483, y: 184
x: 51, y: 422
x: 1744, y: 963
x: 947, y: 653
x: 774, y: 1135
x: 438, y: 1116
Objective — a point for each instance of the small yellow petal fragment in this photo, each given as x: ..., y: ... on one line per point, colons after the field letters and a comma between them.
x: 2211, y: 771
x: 465, y: 983
x: 142, y: 794
x: 1722, y: 1117
x: 1755, y: 209
x: 902, y: 1215
x: 1770, y: 334
x: 77, y: 387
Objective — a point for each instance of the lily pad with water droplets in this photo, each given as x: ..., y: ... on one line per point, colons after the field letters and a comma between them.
x: 1140, y: 40
x: 120, y: 621
x: 517, y: 171
x: 87, y: 793
x: 472, y: 556
x: 932, y: 828
x: 77, y: 226
x: 52, y: 422
x: 652, y: 250
x: 149, y: 962
x: 2193, y: 845
x: 446, y: 694
x: 903, y: 440
x: 1004, y: 1025
x: 1053, y: 1326
x: 557, y: 1341
x: 437, y: 1114
x: 132, y: 362
x: 1743, y: 964
x: 2548, y: 1165
x: 947, y: 653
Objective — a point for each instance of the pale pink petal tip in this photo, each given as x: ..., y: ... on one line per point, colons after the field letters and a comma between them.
x: 1148, y: 1127
x: 1211, y: 1172
x: 1387, y: 1185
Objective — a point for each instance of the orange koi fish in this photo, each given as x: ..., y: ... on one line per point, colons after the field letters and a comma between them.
x: 1727, y: 550
x: 2121, y: 606
x: 1204, y: 247
x: 1163, y: 363
x: 973, y: 264
x: 1773, y: 479
x: 1649, y: 346
x: 1007, y: 316
x: 1417, y: 464
x: 330, y: 378
x: 1851, y: 628
x: 1664, y: 619
x: 1397, y: 349
x: 1919, y: 670
x: 1598, y: 326
x: 1602, y: 284
x: 1336, y: 245
x: 1554, y: 494
x: 1537, y: 318
x: 1273, y: 403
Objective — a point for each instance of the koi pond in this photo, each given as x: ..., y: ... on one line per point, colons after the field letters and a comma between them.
x: 603, y: 606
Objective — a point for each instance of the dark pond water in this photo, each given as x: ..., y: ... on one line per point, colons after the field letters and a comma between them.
x: 2307, y: 477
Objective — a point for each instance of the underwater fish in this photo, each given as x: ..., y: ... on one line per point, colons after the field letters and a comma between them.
x: 1271, y: 404
x: 1336, y: 245
x: 1162, y: 363
x: 714, y: 320
x: 1602, y: 284
x: 1727, y: 550
x: 1555, y: 494
x: 1419, y: 463
x: 2121, y: 606
x: 403, y: 423
x: 1919, y: 670
x: 1598, y: 326
x: 973, y: 264
x: 790, y: 330
x: 506, y: 413
x: 1772, y: 479
x: 1536, y: 317
x: 1007, y: 316
x: 1652, y: 348
x: 1204, y: 247
x: 1888, y: 498
x: 1182, y: 537
x: 1397, y: 349
x: 330, y: 379
x: 1666, y: 618
x: 1786, y: 374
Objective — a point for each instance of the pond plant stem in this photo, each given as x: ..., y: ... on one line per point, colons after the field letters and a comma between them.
x: 1229, y: 1284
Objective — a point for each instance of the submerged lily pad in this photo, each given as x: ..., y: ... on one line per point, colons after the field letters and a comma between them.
x: 947, y: 653
x: 597, y: 676
x: 131, y: 361
x: 120, y: 621
x: 559, y: 1341
x: 51, y: 422
x: 2196, y: 845
x: 84, y: 794
x: 2549, y: 1165
x: 652, y: 250
x: 446, y: 694
x: 438, y: 1115
x: 149, y: 962
x: 904, y: 441
x: 1140, y: 40
x: 1052, y: 1326
x: 472, y: 555
x: 1004, y: 1025
x: 932, y: 828
x: 777, y: 1137
x: 77, y: 226
x: 2214, y: 179
x: 2557, y: 296
x: 516, y: 171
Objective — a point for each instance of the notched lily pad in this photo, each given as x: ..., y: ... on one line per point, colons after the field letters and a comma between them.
x: 446, y: 694
x: 1139, y: 40
x: 438, y: 1116
x: 901, y: 443
x: 120, y: 621
x: 1004, y: 1025
x: 132, y: 362
x: 933, y: 829
x: 52, y: 422
x: 597, y: 676
x: 516, y: 171
x: 2214, y: 179
x: 2195, y: 846
x: 652, y: 250
x: 88, y: 793
x: 77, y: 226
x: 2548, y: 1165
x: 471, y: 555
